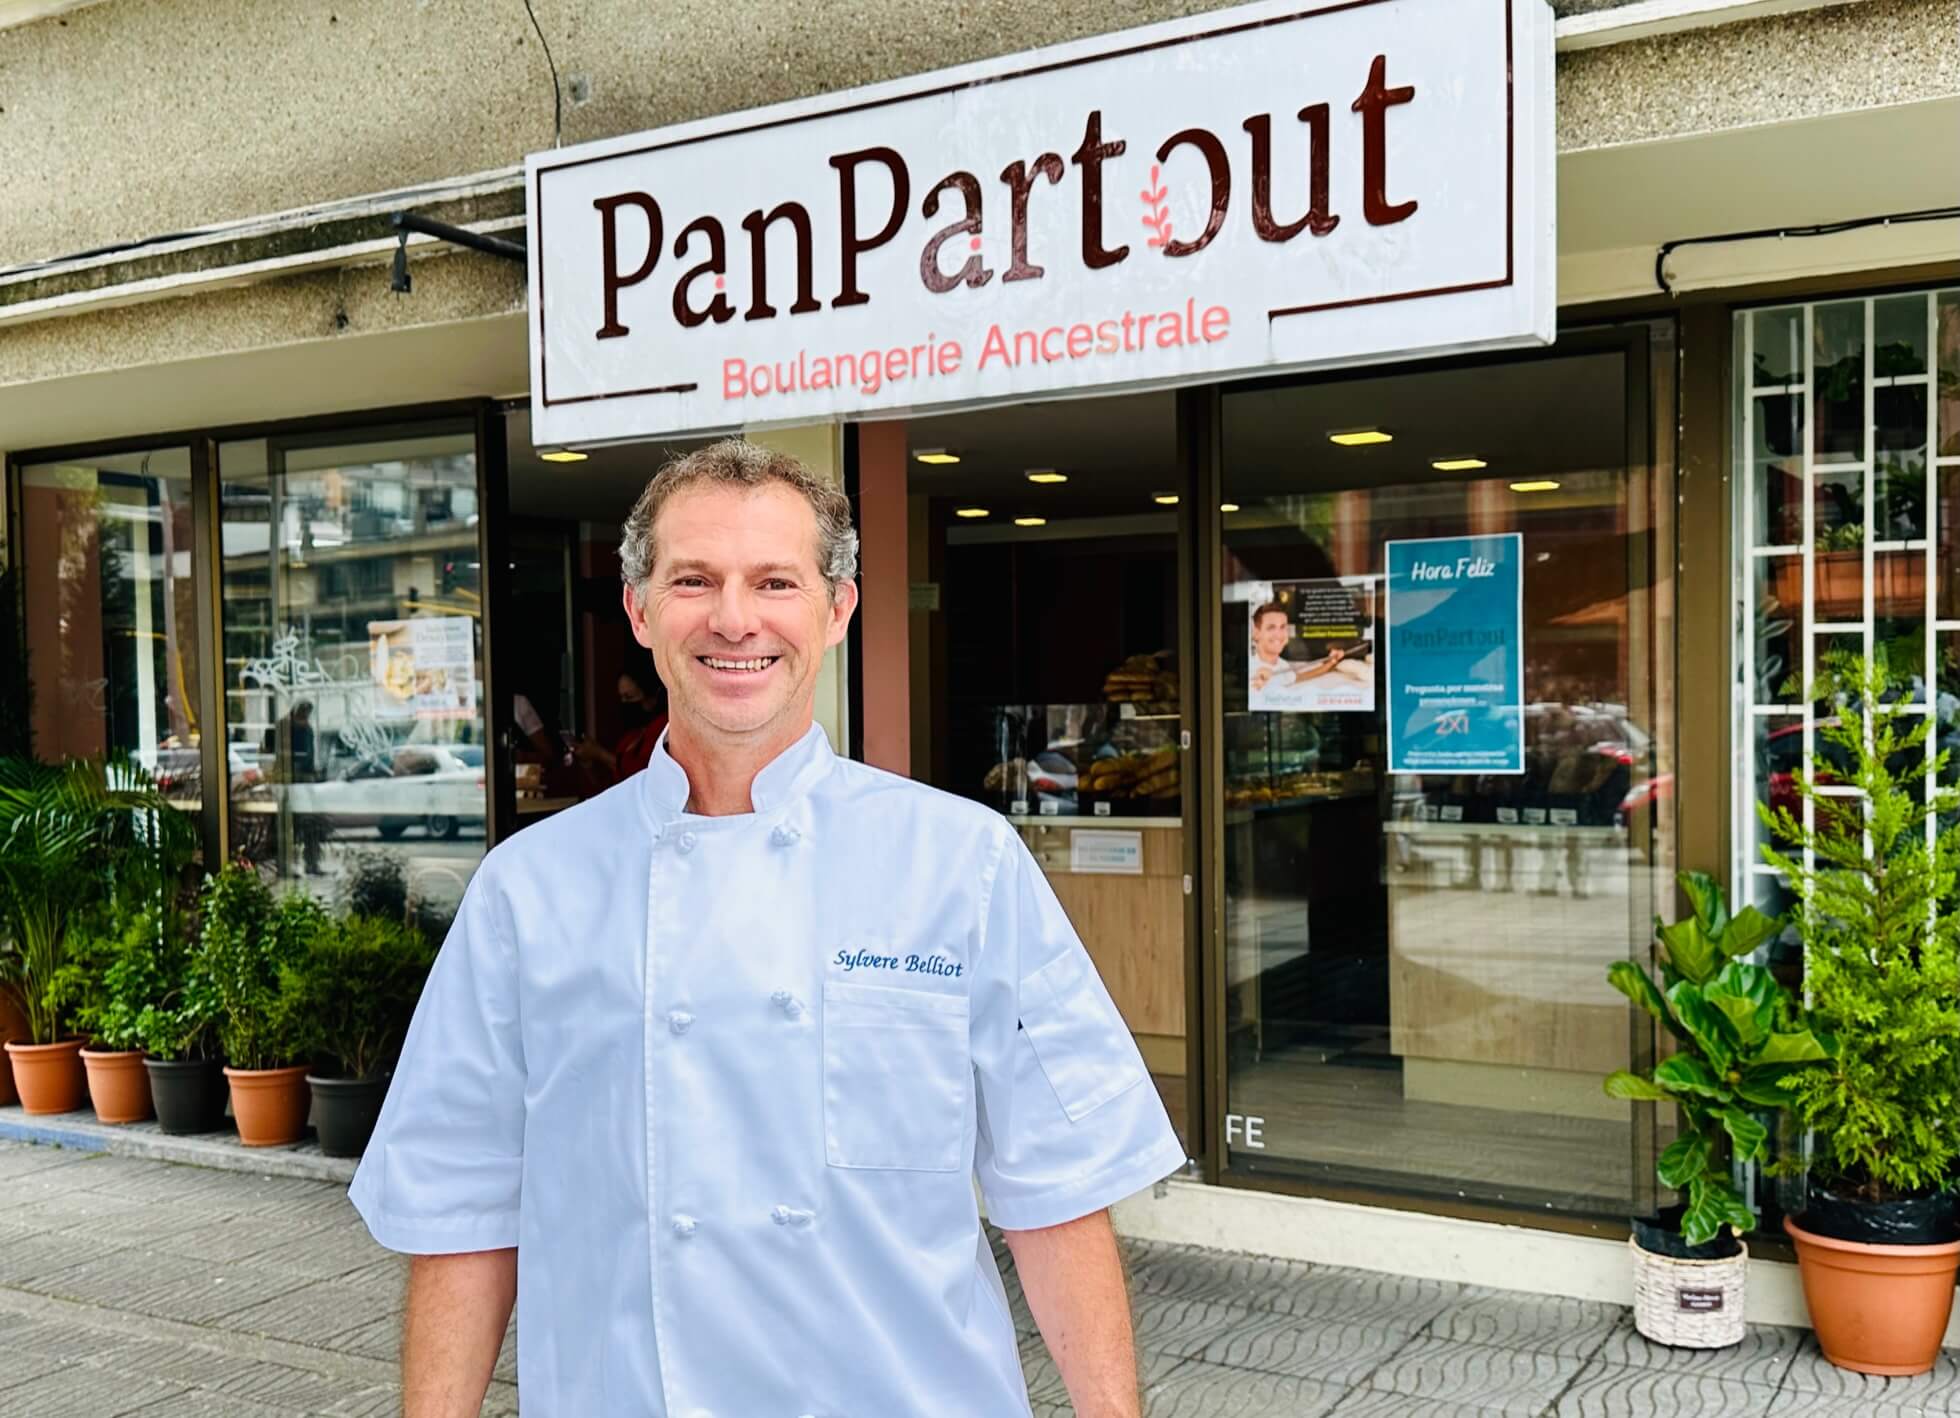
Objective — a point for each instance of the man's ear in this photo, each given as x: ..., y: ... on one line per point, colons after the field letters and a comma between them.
x: 631, y: 597
x: 842, y: 604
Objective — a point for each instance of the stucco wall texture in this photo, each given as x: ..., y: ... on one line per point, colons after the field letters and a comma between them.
x: 136, y: 118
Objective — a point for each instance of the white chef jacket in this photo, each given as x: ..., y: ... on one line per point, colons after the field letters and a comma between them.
x: 724, y: 1083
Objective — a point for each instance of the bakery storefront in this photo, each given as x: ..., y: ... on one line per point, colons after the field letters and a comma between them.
x: 1244, y: 519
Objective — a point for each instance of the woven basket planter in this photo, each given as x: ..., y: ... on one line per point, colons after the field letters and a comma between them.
x: 1690, y: 1304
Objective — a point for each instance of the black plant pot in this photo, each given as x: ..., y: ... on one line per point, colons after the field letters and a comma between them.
x: 1925, y: 1220
x: 1661, y: 1235
x: 190, y: 1094
x: 345, y: 1111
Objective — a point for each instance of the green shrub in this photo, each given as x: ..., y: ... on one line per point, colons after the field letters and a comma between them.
x: 1741, y: 1047
x: 112, y: 973
x: 347, y: 998
x: 1880, y: 922
x: 246, y: 937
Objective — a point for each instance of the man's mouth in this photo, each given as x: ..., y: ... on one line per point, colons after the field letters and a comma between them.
x: 751, y: 666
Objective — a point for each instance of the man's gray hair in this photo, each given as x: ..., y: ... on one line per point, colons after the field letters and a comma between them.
x: 734, y: 462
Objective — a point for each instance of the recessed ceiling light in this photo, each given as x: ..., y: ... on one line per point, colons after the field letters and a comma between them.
x: 1457, y: 465
x: 1228, y: 507
x: 969, y: 512
x: 935, y: 456
x: 1046, y: 475
x: 562, y: 455
x: 1165, y: 499
x: 1542, y: 485
x: 1030, y: 521
x: 1360, y: 437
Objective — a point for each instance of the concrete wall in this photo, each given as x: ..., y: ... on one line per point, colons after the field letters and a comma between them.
x: 128, y: 119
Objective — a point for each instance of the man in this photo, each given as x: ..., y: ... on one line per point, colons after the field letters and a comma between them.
x: 707, y: 1065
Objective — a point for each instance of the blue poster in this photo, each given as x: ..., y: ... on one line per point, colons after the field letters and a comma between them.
x: 1454, y: 622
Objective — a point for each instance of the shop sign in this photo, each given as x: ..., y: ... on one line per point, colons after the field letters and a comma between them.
x: 1272, y: 187
x: 1454, y: 617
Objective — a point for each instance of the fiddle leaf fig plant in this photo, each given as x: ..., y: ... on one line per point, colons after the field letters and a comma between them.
x: 1739, y: 1039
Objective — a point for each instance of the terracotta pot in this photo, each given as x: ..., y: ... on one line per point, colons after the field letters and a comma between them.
x: 269, y: 1104
x: 1876, y: 1309
x: 118, y: 1085
x: 49, y: 1076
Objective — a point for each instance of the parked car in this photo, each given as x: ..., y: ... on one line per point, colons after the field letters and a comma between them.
x: 432, y: 786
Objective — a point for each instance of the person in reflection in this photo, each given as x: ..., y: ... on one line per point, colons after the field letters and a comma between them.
x: 290, y: 742
x: 643, y: 713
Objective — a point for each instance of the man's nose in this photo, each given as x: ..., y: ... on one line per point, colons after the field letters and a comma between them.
x: 733, y: 616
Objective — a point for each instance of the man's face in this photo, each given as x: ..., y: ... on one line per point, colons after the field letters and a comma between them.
x: 1272, y: 633
x: 735, y: 612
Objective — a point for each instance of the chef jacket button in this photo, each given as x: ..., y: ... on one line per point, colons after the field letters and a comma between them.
x: 784, y: 835
x: 679, y: 1021
x: 685, y: 842
x: 788, y: 1003
x: 791, y: 1216
x: 684, y: 1225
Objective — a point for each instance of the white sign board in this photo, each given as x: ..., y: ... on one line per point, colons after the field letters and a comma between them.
x: 1271, y: 187
x: 1106, y: 852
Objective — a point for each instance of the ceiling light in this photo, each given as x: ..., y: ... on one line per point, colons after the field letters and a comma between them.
x: 1046, y: 475
x: 561, y: 455
x: 1543, y: 485
x: 935, y: 456
x: 1030, y: 521
x: 969, y: 512
x: 1360, y: 437
x: 1457, y: 465
x: 1228, y: 507
x: 1165, y: 499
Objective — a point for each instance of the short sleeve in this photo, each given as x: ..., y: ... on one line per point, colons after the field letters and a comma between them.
x: 1069, y: 1122
x: 443, y: 1171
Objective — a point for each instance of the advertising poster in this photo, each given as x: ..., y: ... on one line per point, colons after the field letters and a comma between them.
x: 425, y: 666
x: 1454, y: 615
x: 1310, y: 646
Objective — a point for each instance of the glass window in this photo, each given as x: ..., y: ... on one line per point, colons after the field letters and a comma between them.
x: 353, y: 642
x: 1416, y: 962
x: 111, y: 626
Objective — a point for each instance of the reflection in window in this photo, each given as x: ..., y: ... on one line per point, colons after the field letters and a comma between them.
x: 353, y: 645
x: 111, y: 639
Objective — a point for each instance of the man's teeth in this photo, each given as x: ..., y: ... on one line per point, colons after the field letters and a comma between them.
x: 712, y: 663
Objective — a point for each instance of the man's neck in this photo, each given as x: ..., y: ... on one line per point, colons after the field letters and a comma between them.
x: 721, y: 769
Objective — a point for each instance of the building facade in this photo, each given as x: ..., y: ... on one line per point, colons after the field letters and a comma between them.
x: 279, y: 523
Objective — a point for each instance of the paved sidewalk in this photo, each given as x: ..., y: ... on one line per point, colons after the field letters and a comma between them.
x: 136, y: 1287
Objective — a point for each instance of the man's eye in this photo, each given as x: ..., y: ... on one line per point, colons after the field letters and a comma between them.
x: 776, y: 583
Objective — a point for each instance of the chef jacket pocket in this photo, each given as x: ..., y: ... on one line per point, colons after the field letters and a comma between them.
x: 1079, y: 1039
x: 897, y: 1077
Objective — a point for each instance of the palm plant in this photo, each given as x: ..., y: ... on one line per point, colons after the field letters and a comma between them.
x: 73, y: 834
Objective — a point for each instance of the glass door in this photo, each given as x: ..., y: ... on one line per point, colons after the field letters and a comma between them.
x: 1441, y: 769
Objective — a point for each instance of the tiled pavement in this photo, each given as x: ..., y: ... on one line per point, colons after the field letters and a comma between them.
x: 137, y: 1287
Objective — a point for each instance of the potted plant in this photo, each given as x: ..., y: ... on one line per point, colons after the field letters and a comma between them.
x: 1877, y: 879
x: 347, y: 999
x: 70, y: 835
x: 110, y: 975
x: 1739, y: 1040
x: 244, y: 939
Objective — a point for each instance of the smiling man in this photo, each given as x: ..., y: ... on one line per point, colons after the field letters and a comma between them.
x: 707, y: 1066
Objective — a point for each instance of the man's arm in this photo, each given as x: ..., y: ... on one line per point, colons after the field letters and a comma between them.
x: 458, y: 1308
x: 1072, y: 1275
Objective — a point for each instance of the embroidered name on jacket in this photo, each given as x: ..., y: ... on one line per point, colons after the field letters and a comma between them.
x: 901, y: 965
